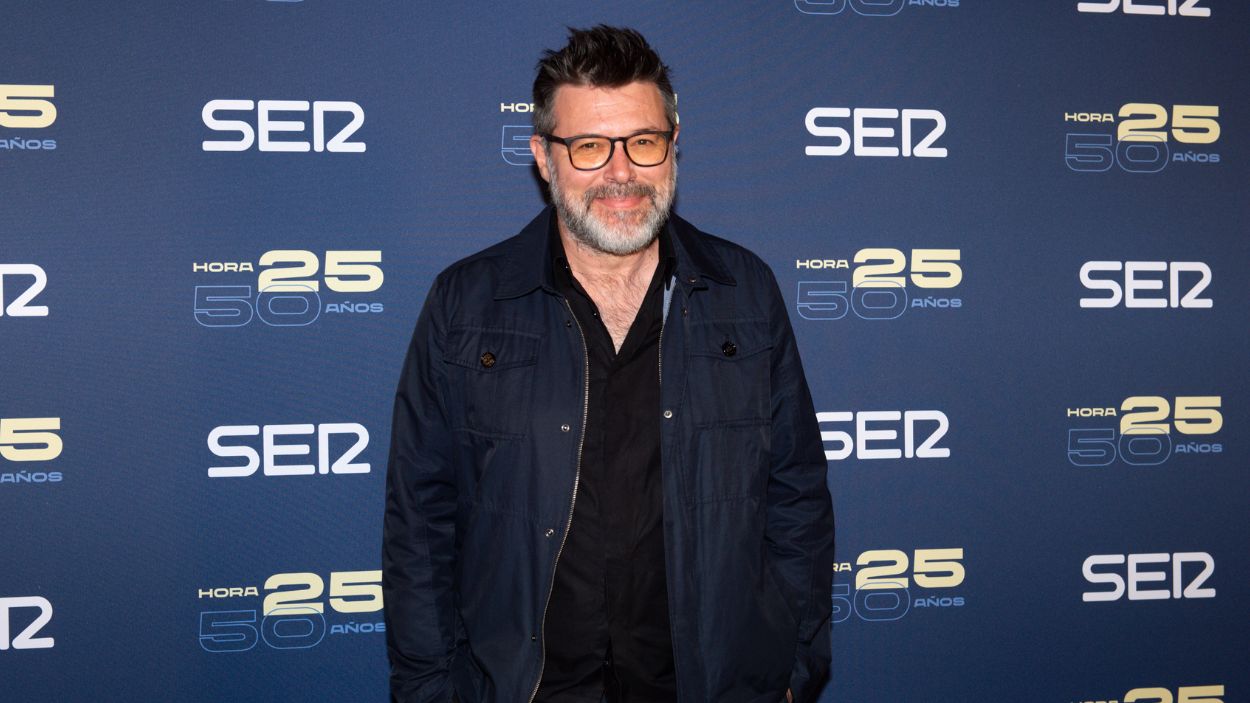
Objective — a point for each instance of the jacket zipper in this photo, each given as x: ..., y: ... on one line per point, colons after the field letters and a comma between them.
x: 659, y: 351
x: 577, y: 476
x: 659, y: 354
x: 660, y: 365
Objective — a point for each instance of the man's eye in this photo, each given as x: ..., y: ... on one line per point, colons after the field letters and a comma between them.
x: 589, y: 146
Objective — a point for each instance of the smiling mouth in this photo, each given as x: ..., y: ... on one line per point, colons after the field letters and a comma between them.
x: 628, y: 202
x: 628, y: 196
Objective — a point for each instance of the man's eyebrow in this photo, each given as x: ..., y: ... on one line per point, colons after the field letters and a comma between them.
x: 634, y: 133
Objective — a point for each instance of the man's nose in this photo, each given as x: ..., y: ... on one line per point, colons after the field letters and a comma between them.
x: 619, y: 168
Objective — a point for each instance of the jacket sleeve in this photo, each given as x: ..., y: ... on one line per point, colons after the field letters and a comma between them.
x: 799, y: 529
x: 418, y: 540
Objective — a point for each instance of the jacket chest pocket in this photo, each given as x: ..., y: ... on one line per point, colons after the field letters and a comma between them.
x: 729, y: 400
x: 492, y: 379
x: 730, y: 366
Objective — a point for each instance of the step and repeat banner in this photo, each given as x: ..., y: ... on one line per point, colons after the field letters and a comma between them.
x: 1012, y: 235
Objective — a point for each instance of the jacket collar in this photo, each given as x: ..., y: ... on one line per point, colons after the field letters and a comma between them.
x: 526, y: 263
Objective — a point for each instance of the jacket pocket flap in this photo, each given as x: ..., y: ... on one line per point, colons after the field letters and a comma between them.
x: 490, y: 349
x: 730, y: 340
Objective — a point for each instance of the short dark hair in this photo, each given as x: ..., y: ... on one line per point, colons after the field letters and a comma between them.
x: 603, y: 56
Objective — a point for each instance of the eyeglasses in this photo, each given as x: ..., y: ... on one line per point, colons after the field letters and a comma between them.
x: 592, y: 151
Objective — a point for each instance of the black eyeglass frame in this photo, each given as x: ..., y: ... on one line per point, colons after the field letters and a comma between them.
x: 567, y: 142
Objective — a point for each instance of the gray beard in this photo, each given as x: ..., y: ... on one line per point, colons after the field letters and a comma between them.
x: 618, y: 236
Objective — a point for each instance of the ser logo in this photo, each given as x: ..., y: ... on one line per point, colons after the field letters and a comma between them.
x: 26, y: 107
x: 267, y: 125
x: 886, y: 140
x: 515, y: 142
x: 1184, y: 8
x: 1102, y: 569
x: 882, y: 587
x: 30, y: 439
x: 1138, y: 142
x: 868, y: 8
x: 1139, y: 276
x: 25, y: 637
x: 878, y: 285
x: 18, y: 301
x: 1184, y: 694
x: 840, y: 444
x: 286, y: 295
x: 292, y: 614
x: 271, y: 449
x: 1144, y: 435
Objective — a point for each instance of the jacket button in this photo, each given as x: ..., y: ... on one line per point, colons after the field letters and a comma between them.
x: 668, y: 414
x: 533, y: 638
x: 564, y: 428
x: 729, y: 348
x: 692, y: 279
x: 488, y: 360
x: 550, y: 533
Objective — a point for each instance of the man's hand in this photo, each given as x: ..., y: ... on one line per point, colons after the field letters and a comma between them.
x: 789, y: 696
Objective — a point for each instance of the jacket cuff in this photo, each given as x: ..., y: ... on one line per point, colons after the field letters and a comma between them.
x: 811, y: 667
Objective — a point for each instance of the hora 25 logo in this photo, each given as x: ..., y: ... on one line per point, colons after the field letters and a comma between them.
x: 1143, y: 138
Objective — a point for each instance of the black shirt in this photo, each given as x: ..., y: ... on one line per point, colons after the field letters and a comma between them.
x: 607, y: 628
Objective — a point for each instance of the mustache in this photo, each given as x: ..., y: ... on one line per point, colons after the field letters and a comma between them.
x: 619, y: 190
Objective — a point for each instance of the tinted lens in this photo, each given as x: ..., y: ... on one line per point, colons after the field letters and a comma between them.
x: 590, y: 152
x: 648, y: 148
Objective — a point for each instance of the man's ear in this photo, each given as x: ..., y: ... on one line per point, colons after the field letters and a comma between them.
x: 538, y: 149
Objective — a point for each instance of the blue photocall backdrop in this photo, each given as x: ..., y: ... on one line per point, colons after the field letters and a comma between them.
x: 1010, y: 233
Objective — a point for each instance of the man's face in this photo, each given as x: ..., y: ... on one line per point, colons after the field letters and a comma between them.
x: 619, y: 208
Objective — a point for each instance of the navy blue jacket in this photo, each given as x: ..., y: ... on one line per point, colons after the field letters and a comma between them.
x: 484, y: 467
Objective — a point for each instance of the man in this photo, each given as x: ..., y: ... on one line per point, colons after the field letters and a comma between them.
x: 606, y: 481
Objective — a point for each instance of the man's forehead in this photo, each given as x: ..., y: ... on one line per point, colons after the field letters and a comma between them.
x: 585, y: 106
